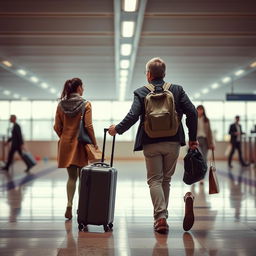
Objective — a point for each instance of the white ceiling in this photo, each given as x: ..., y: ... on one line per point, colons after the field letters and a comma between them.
x: 201, y: 42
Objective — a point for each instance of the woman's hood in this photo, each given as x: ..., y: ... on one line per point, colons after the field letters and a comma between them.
x: 72, y: 105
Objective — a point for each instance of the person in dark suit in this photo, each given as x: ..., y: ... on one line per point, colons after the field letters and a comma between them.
x: 235, y: 130
x: 16, y: 141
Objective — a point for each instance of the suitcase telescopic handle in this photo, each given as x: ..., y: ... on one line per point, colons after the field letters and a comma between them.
x: 104, y: 146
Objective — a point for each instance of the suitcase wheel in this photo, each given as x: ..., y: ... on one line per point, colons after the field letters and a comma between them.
x: 106, y: 228
x: 82, y: 227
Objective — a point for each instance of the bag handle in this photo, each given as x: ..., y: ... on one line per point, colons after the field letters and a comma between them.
x: 104, y: 144
x: 212, y: 159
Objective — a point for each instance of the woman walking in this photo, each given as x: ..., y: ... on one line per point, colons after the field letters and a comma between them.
x: 72, y: 154
x: 204, y: 133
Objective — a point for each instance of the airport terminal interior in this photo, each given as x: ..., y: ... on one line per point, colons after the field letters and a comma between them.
x: 209, y: 48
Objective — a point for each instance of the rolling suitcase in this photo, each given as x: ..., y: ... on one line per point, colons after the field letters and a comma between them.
x: 97, y: 193
x: 29, y: 159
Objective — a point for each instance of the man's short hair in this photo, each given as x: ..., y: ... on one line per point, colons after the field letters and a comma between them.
x: 156, y: 67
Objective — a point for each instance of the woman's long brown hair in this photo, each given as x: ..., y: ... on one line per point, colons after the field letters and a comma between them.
x: 70, y: 86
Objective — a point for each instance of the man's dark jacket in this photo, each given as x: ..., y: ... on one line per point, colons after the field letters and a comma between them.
x: 232, y: 131
x: 183, y: 106
x: 16, y: 139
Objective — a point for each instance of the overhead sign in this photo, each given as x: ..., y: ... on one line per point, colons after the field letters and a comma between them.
x: 240, y: 97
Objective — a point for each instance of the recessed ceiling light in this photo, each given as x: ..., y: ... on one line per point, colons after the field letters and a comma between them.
x: 52, y: 90
x: 253, y: 65
x: 126, y: 49
x: 197, y: 95
x: 123, y: 84
x: 215, y: 86
x: 22, y: 72
x: 7, y: 63
x: 123, y: 73
x: 44, y: 85
x: 34, y: 79
x: 226, y: 79
x: 123, y: 79
x: 130, y: 5
x: 205, y: 90
x: 16, y: 96
x: 128, y: 28
x: 124, y: 64
x: 6, y: 92
x: 122, y: 94
x: 239, y: 72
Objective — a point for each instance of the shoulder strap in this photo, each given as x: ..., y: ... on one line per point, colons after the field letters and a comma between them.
x: 150, y: 87
x: 167, y: 86
x: 83, y: 109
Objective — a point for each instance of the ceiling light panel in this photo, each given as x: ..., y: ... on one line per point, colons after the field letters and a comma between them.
x: 34, y: 79
x: 130, y: 5
x: 253, y: 65
x: 22, y: 72
x: 128, y: 28
x: 6, y: 92
x: 7, y: 63
x: 124, y: 64
x: 126, y: 49
x: 123, y: 73
x: 215, y: 86
x: 206, y: 90
x: 239, y: 72
x: 226, y: 79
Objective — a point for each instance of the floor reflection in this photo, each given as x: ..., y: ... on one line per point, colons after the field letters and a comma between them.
x: 32, y: 222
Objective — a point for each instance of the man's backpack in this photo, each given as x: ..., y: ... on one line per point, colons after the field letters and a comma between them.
x: 161, y: 118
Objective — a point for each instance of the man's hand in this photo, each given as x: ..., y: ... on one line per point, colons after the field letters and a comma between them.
x: 193, y: 144
x: 112, y: 130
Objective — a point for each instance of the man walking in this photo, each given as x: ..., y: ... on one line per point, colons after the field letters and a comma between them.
x: 16, y: 144
x: 235, y: 130
x: 161, y: 151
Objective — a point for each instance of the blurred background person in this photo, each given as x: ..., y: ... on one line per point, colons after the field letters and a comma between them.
x: 235, y: 131
x: 204, y: 133
x: 17, y: 144
x: 72, y: 154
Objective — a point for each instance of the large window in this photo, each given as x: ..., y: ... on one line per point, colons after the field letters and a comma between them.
x: 37, y: 117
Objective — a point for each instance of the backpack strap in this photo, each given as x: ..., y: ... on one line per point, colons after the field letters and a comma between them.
x: 167, y: 86
x: 150, y: 87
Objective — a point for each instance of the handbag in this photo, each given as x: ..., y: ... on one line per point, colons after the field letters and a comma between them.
x: 195, y: 167
x: 94, y: 155
x: 83, y: 136
x: 213, y: 180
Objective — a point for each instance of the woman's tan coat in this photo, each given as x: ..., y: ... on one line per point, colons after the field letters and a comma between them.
x: 70, y: 152
x: 208, y: 132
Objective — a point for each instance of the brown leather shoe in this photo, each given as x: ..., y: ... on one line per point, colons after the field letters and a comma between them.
x: 161, y: 226
x: 188, y: 221
x: 68, y: 213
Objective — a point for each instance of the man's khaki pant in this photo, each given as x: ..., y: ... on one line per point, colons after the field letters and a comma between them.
x: 161, y: 159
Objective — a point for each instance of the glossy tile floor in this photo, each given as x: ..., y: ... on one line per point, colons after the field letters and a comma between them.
x: 32, y: 208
